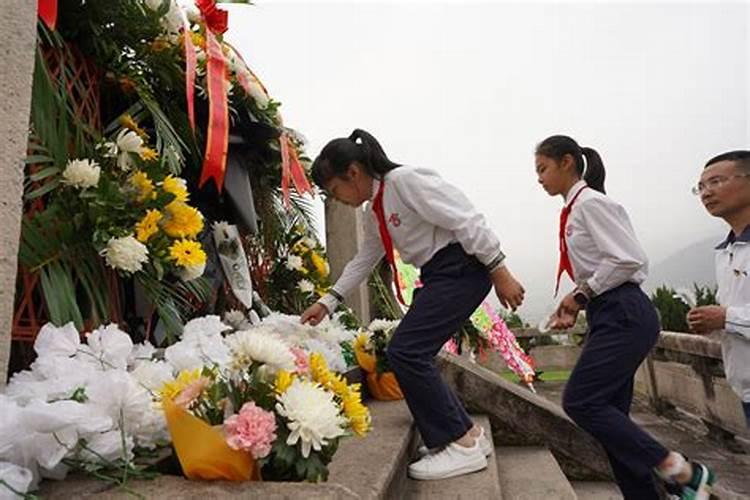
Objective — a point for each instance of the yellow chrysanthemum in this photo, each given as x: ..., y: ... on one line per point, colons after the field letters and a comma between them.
x: 177, y: 187
x: 129, y: 123
x: 199, y: 40
x: 170, y: 390
x: 360, y: 343
x: 320, y: 264
x: 182, y: 220
x: 300, y: 248
x: 283, y: 380
x: 160, y: 43
x: 357, y: 413
x: 319, y: 369
x: 144, y: 185
x: 187, y: 253
x: 148, y: 226
x: 149, y: 154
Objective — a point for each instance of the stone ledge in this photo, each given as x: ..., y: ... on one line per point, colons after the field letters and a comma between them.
x: 522, y: 418
x: 370, y: 468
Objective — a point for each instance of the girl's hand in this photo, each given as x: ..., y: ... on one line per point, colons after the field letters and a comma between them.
x: 509, y: 291
x: 567, y: 313
x: 314, y: 314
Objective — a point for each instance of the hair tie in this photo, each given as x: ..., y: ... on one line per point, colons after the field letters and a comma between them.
x: 585, y: 163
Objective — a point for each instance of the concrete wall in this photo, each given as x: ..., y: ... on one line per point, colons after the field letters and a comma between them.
x: 344, y: 235
x: 18, y: 21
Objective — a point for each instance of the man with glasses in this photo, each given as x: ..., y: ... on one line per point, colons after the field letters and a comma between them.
x: 724, y: 189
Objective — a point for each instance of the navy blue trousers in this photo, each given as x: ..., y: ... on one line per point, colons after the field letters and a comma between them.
x: 623, y: 328
x: 454, y: 285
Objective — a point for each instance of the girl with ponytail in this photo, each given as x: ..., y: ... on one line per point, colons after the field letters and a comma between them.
x: 436, y: 228
x: 601, y: 254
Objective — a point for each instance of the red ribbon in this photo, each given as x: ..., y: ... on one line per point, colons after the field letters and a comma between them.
x: 47, y: 10
x: 216, y: 19
x: 215, y: 158
x: 565, y: 265
x: 291, y: 168
x: 385, y: 237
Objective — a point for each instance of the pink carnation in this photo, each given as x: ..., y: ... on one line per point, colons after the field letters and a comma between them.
x: 252, y: 430
x: 300, y: 360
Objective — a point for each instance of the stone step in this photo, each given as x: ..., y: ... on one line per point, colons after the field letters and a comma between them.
x: 370, y: 468
x: 527, y: 472
x: 375, y: 467
x: 480, y: 485
x: 596, y: 490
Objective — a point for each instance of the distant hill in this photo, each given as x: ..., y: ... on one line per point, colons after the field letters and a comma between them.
x: 691, y: 264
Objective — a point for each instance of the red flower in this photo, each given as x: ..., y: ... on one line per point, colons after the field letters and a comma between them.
x: 216, y: 18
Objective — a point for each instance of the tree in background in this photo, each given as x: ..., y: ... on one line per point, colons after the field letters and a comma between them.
x: 673, y: 305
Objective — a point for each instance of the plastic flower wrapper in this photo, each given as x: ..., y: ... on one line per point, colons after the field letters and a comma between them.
x: 370, y: 351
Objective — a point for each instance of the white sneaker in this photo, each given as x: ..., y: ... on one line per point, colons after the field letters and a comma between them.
x: 453, y: 460
x: 484, y: 444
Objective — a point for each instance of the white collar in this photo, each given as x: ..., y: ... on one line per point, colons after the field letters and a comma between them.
x: 574, y: 190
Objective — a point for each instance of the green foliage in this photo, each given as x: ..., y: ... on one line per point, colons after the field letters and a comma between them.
x: 286, y: 463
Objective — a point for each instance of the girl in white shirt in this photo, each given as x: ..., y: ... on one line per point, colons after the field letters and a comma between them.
x: 600, y: 252
x: 435, y: 227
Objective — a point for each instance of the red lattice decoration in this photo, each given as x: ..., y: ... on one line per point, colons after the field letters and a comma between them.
x: 81, y: 80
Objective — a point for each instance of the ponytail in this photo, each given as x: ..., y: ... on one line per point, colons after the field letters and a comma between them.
x: 594, y: 174
x: 361, y: 147
x: 592, y: 170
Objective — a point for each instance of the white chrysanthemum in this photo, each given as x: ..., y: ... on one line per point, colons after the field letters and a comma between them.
x: 141, y: 353
x: 117, y: 395
x: 306, y: 286
x: 313, y: 416
x: 294, y: 263
x: 248, y: 346
x: 331, y: 352
x: 18, y: 478
x: 254, y: 318
x: 81, y: 173
x: 152, y: 375
x: 107, y: 446
x: 205, y: 325
x: 257, y: 93
x: 383, y: 325
x: 189, y: 273
x: 128, y: 142
x: 220, y: 229
x: 333, y: 331
x: 55, y: 341
x: 237, y: 320
x: 109, y: 346
x: 197, y: 349
x: 50, y: 378
x: 309, y: 242
x: 126, y: 253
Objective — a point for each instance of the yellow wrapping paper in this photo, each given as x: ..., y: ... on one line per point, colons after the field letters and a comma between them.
x: 383, y: 386
x: 202, y: 450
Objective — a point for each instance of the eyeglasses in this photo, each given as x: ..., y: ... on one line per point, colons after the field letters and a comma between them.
x: 714, y: 182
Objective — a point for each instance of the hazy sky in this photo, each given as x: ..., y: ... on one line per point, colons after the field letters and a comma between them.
x: 469, y: 88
